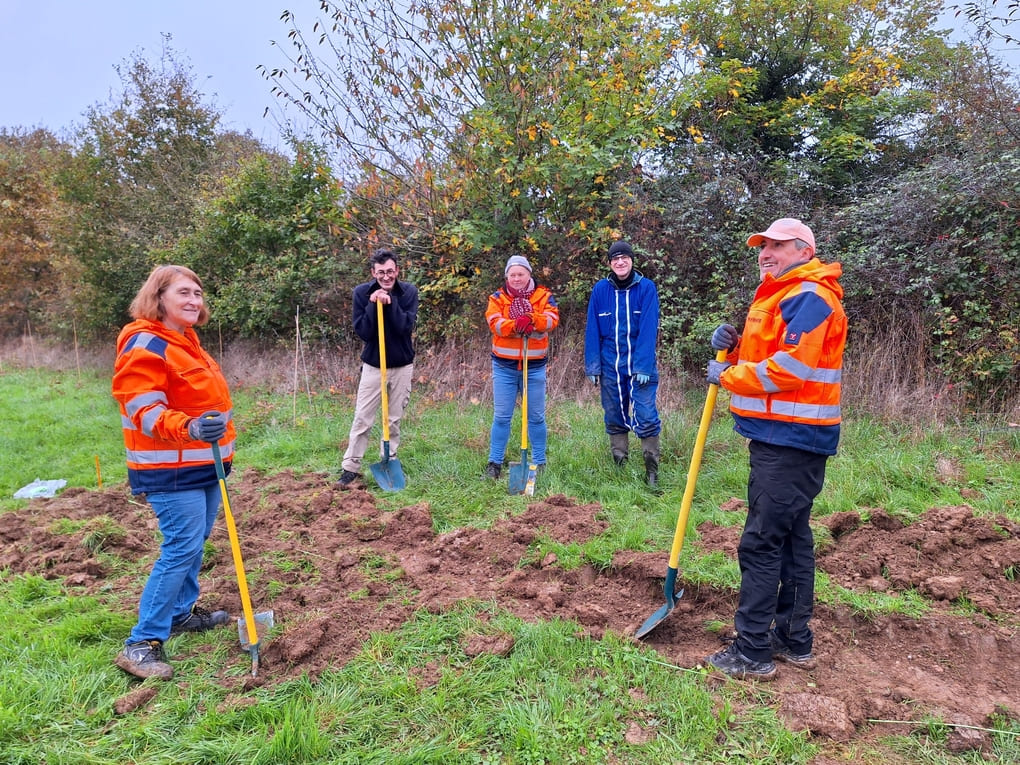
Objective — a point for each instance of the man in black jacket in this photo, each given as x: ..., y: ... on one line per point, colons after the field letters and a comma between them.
x: 400, y: 312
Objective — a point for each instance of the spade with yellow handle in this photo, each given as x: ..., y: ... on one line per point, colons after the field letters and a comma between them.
x: 685, y: 509
x: 250, y: 626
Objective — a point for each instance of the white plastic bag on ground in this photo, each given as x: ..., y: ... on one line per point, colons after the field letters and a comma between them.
x: 39, y: 488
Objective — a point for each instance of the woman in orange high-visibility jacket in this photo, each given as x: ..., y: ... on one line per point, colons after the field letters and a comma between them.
x: 174, y: 403
x: 784, y: 374
x: 519, y: 309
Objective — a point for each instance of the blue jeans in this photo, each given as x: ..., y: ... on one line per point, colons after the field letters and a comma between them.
x: 628, y: 406
x: 507, y: 382
x: 185, y: 519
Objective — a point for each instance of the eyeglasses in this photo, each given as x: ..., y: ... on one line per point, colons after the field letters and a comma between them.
x: 621, y: 256
x: 387, y: 272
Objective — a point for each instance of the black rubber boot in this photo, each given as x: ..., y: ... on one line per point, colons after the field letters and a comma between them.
x: 650, y: 451
x: 619, y: 443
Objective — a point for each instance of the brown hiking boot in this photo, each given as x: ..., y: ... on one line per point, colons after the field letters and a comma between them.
x: 144, y: 659
x: 782, y: 652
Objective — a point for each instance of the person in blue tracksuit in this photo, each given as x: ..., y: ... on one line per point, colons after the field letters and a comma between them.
x: 620, y: 341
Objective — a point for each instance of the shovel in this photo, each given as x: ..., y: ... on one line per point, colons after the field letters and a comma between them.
x: 672, y: 598
x: 388, y: 473
x: 248, y: 627
x: 523, y: 473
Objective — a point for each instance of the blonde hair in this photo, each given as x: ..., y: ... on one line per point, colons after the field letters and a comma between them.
x: 148, y: 304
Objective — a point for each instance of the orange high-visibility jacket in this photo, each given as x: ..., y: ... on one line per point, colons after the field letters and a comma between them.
x: 788, y: 366
x: 163, y: 379
x: 506, y: 343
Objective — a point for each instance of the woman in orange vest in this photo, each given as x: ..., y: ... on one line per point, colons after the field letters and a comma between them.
x: 519, y: 309
x: 174, y: 403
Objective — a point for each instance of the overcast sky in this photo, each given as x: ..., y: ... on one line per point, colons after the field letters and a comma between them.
x: 58, y: 56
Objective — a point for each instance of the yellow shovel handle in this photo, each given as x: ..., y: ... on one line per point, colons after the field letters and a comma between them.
x: 692, y: 473
x: 382, y: 373
x: 524, y: 398
x: 235, y: 549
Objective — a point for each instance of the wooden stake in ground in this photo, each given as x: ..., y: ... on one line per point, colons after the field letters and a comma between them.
x: 297, y: 350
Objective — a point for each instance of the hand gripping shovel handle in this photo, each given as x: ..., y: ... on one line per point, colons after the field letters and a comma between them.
x: 235, y: 549
x: 669, y: 586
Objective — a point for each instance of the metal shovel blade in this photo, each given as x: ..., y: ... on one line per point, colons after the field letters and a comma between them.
x: 388, y: 473
x: 529, y: 485
x: 519, y: 474
x: 263, y: 623
x: 672, y: 598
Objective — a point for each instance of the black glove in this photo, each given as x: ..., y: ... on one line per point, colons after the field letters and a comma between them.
x: 725, y: 338
x: 716, y: 368
x: 209, y: 427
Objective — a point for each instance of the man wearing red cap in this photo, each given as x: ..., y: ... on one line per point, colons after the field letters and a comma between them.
x: 784, y: 374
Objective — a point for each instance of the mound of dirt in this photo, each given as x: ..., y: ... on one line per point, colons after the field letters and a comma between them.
x: 334, y: 567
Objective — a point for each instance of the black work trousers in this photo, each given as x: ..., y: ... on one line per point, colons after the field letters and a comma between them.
x: 776, y: 551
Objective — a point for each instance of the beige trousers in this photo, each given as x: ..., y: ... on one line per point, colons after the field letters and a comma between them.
x: 369, y: 402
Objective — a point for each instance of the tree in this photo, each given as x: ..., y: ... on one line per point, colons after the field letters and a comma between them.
x: 991, y: 18
x: 829, y: 91
x: 29, y: 268
x: 274, y: 242
x: 514, y: 126
x: 141, y: 163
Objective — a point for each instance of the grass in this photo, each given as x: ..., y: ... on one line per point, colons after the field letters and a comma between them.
x: 413, y: 695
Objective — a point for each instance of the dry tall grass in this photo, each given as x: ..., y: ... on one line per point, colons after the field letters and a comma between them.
x: 887, y: 379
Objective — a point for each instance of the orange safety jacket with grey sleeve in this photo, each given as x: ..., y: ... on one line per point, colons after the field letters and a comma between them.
x: 507, y: 345
x: 162, y: 380
x: 788, y: 366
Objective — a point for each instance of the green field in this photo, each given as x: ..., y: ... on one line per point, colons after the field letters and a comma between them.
x: 556, y: 698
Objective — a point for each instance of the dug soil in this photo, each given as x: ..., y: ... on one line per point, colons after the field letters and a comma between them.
x: 334, y: 567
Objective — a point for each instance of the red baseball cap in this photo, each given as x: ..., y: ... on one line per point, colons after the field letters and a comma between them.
x: 782, y: 230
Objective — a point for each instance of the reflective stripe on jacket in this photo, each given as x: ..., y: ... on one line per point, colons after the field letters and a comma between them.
x: 788, y: 368
x: 622, y: 328
x: 162, y: 380
x: 506, y: 343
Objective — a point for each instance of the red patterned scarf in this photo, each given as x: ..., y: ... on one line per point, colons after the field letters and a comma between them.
x: 521, y: 302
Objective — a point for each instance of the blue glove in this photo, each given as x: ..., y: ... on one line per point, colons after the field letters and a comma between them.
x: 725, y: 338
x: 716, y: 368
x: 209, y: 427
x: 641, y: 379
x: 593, y: 379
